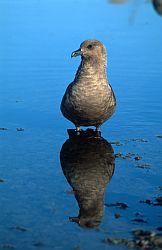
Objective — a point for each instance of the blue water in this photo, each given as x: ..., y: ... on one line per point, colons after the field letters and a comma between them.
x: 36, y: 41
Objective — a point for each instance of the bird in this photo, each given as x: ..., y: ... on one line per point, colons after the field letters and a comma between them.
x: 158, y: 6
x: 89, y: 100
x: 88, y: 164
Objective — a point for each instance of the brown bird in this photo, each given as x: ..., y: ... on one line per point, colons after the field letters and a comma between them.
x: 158, y: 6
x: 89, y: 100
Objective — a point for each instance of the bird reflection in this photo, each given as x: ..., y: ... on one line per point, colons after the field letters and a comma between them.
x: 158, y: 6
x: 117, y: 1
x: 88, y: 163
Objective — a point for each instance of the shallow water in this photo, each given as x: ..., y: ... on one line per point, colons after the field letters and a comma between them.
x: 37, y: 38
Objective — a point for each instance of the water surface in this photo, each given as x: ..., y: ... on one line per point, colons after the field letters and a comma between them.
x: 37, y: 38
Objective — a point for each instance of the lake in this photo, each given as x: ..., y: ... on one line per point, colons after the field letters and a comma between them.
x: 123, y: 168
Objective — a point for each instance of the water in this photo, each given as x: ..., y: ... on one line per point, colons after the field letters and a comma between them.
x: 36, y: 41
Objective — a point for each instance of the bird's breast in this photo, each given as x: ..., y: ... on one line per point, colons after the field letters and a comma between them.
x: 90, y: 92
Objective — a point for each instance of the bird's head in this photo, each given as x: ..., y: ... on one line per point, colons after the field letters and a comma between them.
x: 91, y: 49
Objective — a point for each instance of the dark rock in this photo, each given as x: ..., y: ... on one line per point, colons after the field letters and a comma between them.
x: 117, y: 143
x: 118, y: 205
x: 139, y: 220
x: 20, y: 228
x: 127, y: 156
x: 117, y: 216
x: 149, y: 202
x: 141, y: 233
x: 20, y: 129
x: 138, y: 214
x: 138, y: 140
x: 144, y: 165
x: 137, y: 158
x: 39, y: 244
x: 7, y: 246
x: 159, y: 136
x: 143, y: 239
x: 3, y: 129
x: 118, y: 155
x: 158, y: 201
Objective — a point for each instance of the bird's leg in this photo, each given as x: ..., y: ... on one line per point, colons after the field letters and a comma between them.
x: 97, y: 128
x: 78, y: 130
x: 98, y: 134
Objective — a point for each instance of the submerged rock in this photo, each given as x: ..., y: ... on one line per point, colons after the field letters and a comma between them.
x: 137, y: 158
x: 138, y: 140
x: 144, y: 166
x: 7, y: 246
x: 39, y: 244
x: 20, y: 228
x: 139, y: 220
x: 129, y: 155
x: 159, y: 136
x: 117, y: 143
x: 117, y: 216
x: 20, y: 129
x: 158, y: 201
x: 142, y: 239
x: 149, y: 202
x: 118, y: 205
x: 3, y: 129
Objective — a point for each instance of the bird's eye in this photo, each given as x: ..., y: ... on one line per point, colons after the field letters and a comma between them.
x: 90, y: 46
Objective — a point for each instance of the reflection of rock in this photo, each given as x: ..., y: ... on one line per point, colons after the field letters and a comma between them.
x: 158, y: 6
x: 88, y: 164
x: 118, y: 1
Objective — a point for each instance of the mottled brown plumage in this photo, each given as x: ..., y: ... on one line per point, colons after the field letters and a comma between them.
x: 89, y: 100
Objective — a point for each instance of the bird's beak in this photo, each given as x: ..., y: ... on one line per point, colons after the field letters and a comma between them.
x: 76, y: 53
x: 74, y: 219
